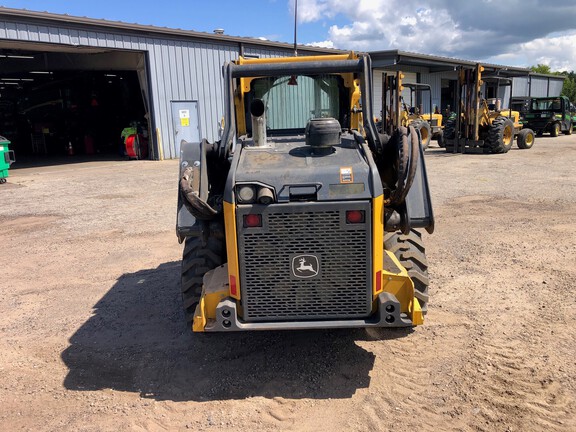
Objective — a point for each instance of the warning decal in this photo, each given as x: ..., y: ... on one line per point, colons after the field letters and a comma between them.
x: 346, y: 175
x: 184, y: 117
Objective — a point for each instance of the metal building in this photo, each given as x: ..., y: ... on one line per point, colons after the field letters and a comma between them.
x: 179, y: 72
x: 169, y: 80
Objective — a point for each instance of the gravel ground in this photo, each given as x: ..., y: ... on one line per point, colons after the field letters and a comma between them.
x: 93, y: 335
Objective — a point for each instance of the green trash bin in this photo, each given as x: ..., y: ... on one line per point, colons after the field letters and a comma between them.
x: 6, y: 158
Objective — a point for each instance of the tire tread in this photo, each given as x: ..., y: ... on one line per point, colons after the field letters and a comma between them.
x: 410, y: 251
x: 197, y: 259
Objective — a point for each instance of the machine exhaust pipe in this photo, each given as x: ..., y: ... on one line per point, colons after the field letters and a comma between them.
x: 258, y: 110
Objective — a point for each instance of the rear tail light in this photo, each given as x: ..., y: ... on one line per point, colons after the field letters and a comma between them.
x: 378, y: 281
x: 252, y: 220
x: 355, y: 216
x: 233, y: 286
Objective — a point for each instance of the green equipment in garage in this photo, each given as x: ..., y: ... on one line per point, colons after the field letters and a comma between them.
x: 6, y: 158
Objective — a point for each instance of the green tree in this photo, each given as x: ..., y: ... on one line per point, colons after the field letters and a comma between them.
x: 541, y: 68
x: 569, y: 88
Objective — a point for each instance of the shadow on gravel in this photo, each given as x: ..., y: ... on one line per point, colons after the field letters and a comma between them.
x: 442, y: 153
x: 137, y: 341
x: 438, y: 152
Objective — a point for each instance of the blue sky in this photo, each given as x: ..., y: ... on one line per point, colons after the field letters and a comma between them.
x: 272, y: 19
x: 506, y: 32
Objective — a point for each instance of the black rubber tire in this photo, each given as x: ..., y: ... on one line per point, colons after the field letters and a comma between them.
x: 425, y: 131
x: 410, y: 251
x: 555, y: 130
x: 501, y: 135
x: 440, y: 139
x: 450, y: 129
x: 525, y: 139
x: 449, y: 134
x: 404, y: 153
x: 197, y: 260
x: 569, y: 130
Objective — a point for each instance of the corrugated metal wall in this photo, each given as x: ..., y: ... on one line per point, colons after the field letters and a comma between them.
x: 435, y: 82
x: 184, y: 70
x: 555, y: 87
x: 377, y: 92
x: 539, y: 87
x: 178, y: 68
x: 521, y: 86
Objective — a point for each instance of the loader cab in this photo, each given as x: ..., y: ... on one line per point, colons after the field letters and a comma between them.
x: 292, y: 98
x: 291, y: 101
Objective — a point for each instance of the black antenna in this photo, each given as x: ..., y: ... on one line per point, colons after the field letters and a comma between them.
x: 295, y: 23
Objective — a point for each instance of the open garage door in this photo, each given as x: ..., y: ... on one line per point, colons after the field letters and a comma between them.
x: 60, y: 103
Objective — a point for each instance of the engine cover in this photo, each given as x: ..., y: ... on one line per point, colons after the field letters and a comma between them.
x: 296, y: 172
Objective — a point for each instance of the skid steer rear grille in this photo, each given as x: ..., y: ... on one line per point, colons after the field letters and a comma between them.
x: 305, y: 262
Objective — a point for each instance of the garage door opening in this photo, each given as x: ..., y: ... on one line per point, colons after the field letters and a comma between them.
x: 61, y: 107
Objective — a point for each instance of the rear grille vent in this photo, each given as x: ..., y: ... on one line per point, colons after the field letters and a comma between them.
x: 317, y: 234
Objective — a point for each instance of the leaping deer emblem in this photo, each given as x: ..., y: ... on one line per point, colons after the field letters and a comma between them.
x: 305, y: 267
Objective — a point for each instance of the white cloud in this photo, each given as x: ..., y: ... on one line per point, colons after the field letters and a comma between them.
x: 557, y: 52
x: 322, y: 44
x: 515, y: 32
x: 310, y: 10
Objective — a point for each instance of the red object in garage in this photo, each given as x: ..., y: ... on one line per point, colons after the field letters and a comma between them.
x: 136, y: 146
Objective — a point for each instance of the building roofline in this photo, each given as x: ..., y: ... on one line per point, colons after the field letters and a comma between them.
x: 400, y: 57
x: 167, y: 31
x: 562, y: 77
x: 398, y: 54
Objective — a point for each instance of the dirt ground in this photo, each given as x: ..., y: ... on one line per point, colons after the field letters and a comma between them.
x: 92, y: 335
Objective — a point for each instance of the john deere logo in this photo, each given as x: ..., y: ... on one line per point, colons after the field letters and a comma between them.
x: 305, y: 266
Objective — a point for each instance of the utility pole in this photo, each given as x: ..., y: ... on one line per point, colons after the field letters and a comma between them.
x: 295, y: 25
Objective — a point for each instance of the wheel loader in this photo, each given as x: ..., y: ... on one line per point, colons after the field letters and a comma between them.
x: 302, y: 215
x: 480, y: 125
